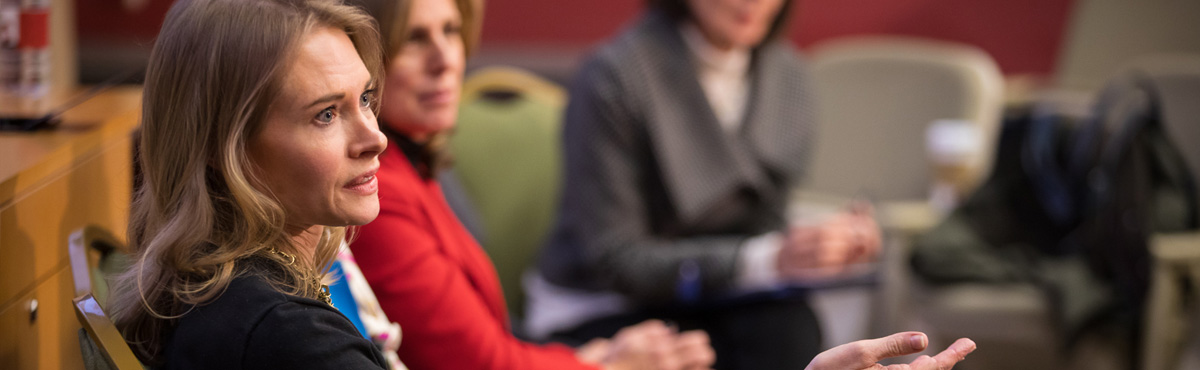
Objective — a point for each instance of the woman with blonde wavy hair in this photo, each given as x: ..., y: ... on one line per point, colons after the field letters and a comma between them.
x: 259, y: 145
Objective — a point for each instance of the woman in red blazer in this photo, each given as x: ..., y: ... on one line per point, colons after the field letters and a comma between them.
x: 432, y: 278
x: 428, y: 273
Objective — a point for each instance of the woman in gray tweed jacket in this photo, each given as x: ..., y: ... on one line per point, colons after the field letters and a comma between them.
x: 682, y: 139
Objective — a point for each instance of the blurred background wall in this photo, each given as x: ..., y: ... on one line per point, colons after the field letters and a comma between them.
x: 1023, y: 35
x: 1074, y: 42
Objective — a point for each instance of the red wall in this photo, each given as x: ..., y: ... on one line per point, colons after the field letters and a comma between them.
x: 555, y: 22
x: 107, y: 20
x: 1023, y: 35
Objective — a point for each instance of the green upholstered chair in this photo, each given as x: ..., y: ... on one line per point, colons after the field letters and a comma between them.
x: 507, y: 158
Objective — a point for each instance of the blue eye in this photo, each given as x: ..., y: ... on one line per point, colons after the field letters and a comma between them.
x: 326, y: 115
x: 367, y: 98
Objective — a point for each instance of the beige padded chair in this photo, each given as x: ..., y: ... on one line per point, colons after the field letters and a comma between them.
x: 1168, y: 322
x: 1102, y: 35
x: 876, y: 96
x: 1176, y: 257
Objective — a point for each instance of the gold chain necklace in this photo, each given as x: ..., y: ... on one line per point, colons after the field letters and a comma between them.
x: 314, y: 284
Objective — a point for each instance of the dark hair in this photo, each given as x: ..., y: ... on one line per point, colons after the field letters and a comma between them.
x: 678, y: 10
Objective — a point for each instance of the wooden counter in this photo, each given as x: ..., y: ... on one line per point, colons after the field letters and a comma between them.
x: 52, y: 183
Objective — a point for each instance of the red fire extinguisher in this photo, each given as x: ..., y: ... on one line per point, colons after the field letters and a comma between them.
x: 10, y: 36
x: 34, y: 48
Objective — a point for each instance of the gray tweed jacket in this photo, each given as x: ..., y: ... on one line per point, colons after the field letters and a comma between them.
x: 658, y: 198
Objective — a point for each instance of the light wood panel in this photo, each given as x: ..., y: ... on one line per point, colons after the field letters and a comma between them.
x: 34, y: 228
x: 51, y: 184
x: 49, y: 340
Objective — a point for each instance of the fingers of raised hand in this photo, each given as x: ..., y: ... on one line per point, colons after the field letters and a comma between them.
x: 944, y: 360
x: 865, y: 354
x: 955, y: 353
x: 898, y: 344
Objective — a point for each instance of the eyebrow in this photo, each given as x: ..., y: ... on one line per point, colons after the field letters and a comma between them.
x: 338, y: 96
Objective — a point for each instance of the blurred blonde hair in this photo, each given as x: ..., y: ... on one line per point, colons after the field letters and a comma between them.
x: 392, y: 16
x: 200, y: 217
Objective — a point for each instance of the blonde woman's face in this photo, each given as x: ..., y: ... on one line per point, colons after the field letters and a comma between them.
x: 424, y: 78
x: 318, y: 150
x: 734, y: 23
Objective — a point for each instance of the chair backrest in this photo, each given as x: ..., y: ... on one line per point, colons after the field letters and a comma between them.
x: 1102, y: 35
x: 104, y: 334
x: 507, y: 155
x: 876, y: 97
x: 1177, y: 80
x: 95, y: 254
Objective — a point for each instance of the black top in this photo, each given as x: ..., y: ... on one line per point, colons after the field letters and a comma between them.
x: 252, y: 326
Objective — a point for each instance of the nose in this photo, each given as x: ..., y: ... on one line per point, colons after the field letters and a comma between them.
x: 444, y: 55
x: 366, y: 140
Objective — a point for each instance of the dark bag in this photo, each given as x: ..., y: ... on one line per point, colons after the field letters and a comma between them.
x: 1070, y: 208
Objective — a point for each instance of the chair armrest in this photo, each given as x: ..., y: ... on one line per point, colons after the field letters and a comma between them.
x: 908, y: 218
x: 104, y: 334
x: 1176, y: 256
x: 87, y: 247
x: 1176, y: 247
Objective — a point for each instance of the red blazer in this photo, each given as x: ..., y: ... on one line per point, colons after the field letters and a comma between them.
x: 433, y: 279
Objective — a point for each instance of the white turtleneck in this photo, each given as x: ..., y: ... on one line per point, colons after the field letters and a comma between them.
x: 723, y: 75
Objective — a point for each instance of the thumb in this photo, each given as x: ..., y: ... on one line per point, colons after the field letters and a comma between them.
x: 898, y: 344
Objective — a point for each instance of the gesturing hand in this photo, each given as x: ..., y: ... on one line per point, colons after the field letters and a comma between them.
x: 652, y: 345
x: 825, y: 250
x: 865, y: 354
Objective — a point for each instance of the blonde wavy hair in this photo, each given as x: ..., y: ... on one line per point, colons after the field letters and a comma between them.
x: 200, y: 217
